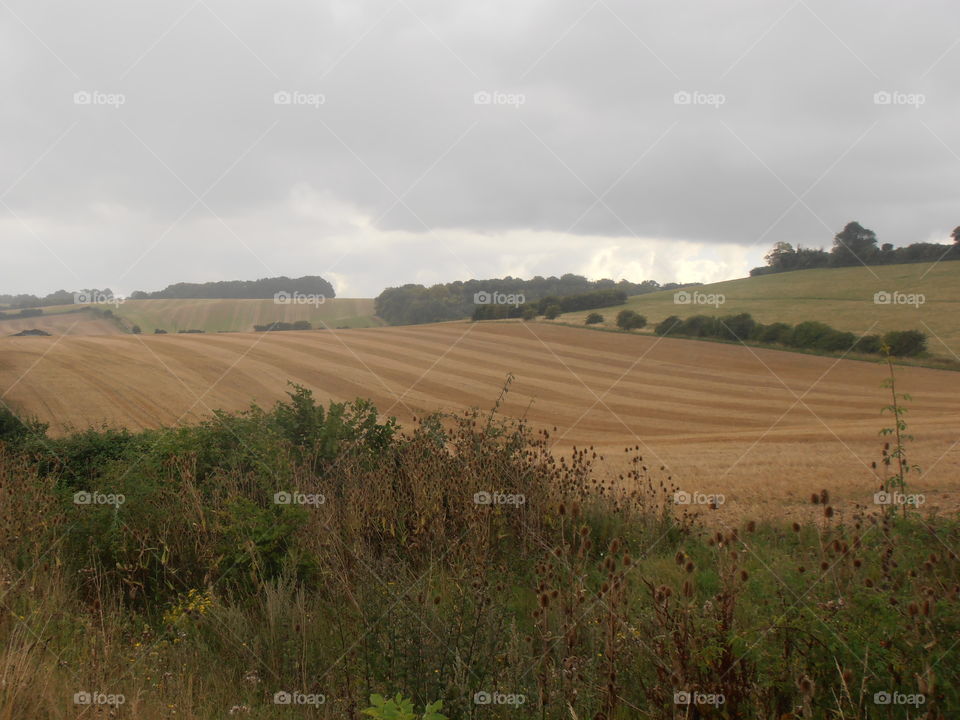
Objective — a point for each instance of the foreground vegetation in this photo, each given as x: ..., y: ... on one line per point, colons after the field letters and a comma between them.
x: 300, y: 560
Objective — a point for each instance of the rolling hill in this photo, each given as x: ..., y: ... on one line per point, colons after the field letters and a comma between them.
x: 232, y: 315
x: 764, y: 427
x: 840, y: 297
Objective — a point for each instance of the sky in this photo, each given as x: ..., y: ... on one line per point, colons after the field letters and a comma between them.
x: 389, y: 142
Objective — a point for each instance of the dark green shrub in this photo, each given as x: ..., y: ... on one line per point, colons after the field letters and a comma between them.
x: 736, y: 327
x: 552, y: 311
x: 594, y: 318
x: 868, y: 344
x: 669, y: 326
x: 630, y: 320
x: 809, y: 334
x: 905, y: 343
x: 699, y: 326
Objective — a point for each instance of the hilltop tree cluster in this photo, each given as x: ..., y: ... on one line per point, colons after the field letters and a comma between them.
x: 415, y: 304
x: 855, y: 245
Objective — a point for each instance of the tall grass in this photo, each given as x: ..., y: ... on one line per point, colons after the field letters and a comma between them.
x: 569, y: 594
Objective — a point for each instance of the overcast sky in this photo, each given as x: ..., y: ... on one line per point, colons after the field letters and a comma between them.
x: 380, y: 143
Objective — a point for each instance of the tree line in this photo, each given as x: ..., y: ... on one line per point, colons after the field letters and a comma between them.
x: 261, y: 289
x: 241, y: 289
x: 552, y: 306
x: 414, y: 304
x: 855, y: 245
x: 812, y: 335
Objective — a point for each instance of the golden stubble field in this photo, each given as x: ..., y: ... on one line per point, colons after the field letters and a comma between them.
x: 765, y: 428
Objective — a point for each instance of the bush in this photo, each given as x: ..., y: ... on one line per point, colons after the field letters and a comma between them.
x: 552, y: 311
x: 809, y: 334
x: 529, y: 312
x: 594, y: 318
x: 629, y: 320
x: 775, y: 333
x: 669, y: 326
x: 736, y: 327
x: 905, y: 343
x: 837, y: 341
x: 159, y: 331
x: 699, y: 326
x: 868, y: 344
x: 136, y: 330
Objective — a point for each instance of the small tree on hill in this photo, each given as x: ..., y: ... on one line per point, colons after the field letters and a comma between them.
x: 552, y: 312
x: 629, y: 320
x: 594, y: 318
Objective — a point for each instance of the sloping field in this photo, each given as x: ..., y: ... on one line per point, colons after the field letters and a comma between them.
x: 239, y: 315
x: 65, y: 323
x: 841, y: 297
x: 763, y: 427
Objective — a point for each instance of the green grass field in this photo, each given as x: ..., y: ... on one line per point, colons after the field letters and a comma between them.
x: 236, y: 315
x: 841, y: 297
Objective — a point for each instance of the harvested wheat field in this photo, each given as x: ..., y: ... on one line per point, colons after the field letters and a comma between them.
x: 69, y: 323
x: 764, y: 428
